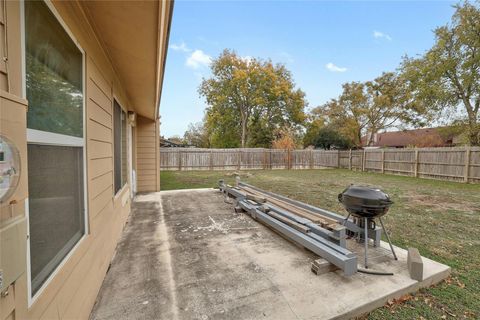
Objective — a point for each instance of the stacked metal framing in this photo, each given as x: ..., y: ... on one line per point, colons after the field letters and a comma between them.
x: 329, y: 242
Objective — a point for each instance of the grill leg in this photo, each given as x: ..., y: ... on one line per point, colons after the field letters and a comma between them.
x: 388, y: 238
x: 365, y: 239
x: 346, y: 219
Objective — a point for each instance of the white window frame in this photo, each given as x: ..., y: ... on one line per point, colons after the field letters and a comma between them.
x: 48, y: 138
x: 130, y: 157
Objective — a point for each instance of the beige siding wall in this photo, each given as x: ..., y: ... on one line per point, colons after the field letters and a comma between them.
x: 147, y: 155
x: 72, y: 292
x: 3, y: 36
x: 10, y: 47
x: 12, y: 124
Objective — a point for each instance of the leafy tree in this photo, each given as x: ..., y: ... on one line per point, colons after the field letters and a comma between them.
x: 314, y: 122
x: 286, y: 138
x: 348, y: 113
x: 221, y: 125
x: 447, y: 77
x: 389, y: 104
x: 364, y: 108
x: 244, y: 95
x: 197, y: 136
x: 328, y: 138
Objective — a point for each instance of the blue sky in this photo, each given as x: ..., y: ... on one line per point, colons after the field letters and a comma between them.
x: 323, y: 44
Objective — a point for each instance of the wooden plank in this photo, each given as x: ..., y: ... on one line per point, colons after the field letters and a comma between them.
x: 295, y: 225
x: 416, y: 164
x: 467, y: 165
x: 314, y: 217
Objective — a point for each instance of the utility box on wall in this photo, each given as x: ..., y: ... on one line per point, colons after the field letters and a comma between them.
x: 13, y: 245
x: 13, y: 223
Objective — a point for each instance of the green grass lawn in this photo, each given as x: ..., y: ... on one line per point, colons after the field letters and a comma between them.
x: 441, y: 219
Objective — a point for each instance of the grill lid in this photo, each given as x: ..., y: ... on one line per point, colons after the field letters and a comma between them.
x: 365, y: 201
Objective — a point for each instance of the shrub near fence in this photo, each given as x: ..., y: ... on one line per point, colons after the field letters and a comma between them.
x: 458, y: 164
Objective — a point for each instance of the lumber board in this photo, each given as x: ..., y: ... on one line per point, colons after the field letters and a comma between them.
x: 316, y: 218
x: 297, y: 226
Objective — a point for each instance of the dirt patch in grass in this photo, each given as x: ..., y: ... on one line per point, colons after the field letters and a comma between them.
x: 441, y: 203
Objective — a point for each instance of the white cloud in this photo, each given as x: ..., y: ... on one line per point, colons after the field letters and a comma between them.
x: 197, y: 59
x: 330, y: 66
x: 381, y: 35
x: 180, y: 47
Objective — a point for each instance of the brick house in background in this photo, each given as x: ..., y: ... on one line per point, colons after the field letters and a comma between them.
x: 421, y: 138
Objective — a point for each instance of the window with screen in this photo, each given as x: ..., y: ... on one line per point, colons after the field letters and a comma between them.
x: 120, y: 146
x: 55, y: 121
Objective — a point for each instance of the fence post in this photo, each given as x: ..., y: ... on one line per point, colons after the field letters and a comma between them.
x: 179, y: 161
x: 239, y: 155
x: 467, y: 164
x: 383, y: 161
x: 270, y: 159
x: 415, y: 174
x: 264, y: 159
x: 338, y: 158
x: 289, y: 160
x: 311, y: 159
x: 350, y: 160
x: 364, y: 159
x: 211, y: 159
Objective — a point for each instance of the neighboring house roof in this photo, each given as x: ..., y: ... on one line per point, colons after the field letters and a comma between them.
x: 165, y: 143
x: 428, y: 137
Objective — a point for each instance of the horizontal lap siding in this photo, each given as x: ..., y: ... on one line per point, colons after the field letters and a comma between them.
x: 3, y: 64
x: 99, y: 137
x: 147, y: 155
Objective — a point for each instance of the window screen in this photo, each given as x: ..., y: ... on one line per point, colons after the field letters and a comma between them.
x: 56, y: 206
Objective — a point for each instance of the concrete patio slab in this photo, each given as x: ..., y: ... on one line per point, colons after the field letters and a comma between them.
x: 187, y: 255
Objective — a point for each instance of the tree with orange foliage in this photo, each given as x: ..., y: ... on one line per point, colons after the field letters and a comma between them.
x: 285, y: 139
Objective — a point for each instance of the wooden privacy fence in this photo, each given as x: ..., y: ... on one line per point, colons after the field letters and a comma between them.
x: 458, y: 164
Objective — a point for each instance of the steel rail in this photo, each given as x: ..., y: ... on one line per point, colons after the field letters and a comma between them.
x: 375, y: 234
x: 318, y: 239
x: 341, y: 257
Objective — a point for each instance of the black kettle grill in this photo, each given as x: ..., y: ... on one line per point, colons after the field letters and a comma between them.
x: 366, y: 203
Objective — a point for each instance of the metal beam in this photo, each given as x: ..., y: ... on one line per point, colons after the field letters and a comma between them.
x: 341, y: 257
x: 349, y: 224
